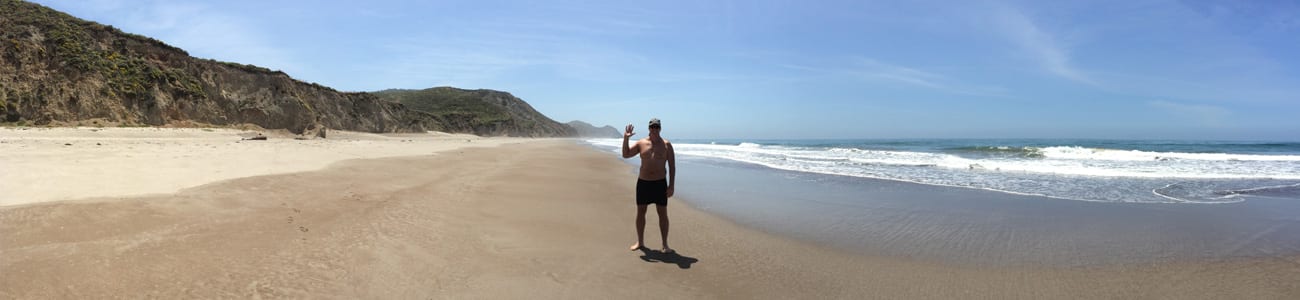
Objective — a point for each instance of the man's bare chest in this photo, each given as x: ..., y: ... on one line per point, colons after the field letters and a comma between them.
x: 650, y: 151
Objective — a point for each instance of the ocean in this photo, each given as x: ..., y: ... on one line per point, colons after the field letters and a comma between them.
x: 1085, y: 170
x: 1003, y: 202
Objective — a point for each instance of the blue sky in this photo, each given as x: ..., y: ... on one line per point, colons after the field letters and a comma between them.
x: 788, y: 69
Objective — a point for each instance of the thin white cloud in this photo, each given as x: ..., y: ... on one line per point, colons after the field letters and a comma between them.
x: 1201, y: 113
x: 876, y: 71
x: 478, y: 56
x: 205, y: 32
x: 1038, y: 43
x: 872, y: 69
x: 482, y: 54
x: 592, y: 27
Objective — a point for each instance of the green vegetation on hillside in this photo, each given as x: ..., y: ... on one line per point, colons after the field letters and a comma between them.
x: 71, y: 43
x: 58, y: 70
x: 484, y: 112
x: 447, y: 101
x: 245, y: 67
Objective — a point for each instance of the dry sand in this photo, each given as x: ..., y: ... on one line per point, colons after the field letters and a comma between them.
x: 547, y: 218
x: 50, y: 164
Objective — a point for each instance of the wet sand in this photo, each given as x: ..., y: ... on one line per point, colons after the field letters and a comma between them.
x: 544, y: 218
x: 981, y: 228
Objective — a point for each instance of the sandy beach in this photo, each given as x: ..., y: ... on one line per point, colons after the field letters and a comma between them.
x: 69, y: 163
x: 190, y: 213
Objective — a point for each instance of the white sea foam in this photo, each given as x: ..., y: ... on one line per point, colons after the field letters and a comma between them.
x: 1056, y: 160
x: 1063, y: 172
x: 1075, y: 152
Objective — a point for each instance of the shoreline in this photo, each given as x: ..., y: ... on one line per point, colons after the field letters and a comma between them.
x: 498, y: 222
x: 977, y: 227
x: 974, y: 227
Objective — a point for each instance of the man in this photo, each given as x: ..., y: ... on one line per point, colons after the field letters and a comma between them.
x: 653, y: 184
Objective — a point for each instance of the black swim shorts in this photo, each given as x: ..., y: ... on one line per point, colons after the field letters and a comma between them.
x: 655, y: 192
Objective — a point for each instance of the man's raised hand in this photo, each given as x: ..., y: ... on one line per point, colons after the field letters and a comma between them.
x: 628, y: 133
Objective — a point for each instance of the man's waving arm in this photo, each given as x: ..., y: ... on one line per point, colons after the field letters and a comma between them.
x: 632, y: 151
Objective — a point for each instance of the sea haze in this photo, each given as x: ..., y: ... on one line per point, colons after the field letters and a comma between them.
x: 1085, y: 170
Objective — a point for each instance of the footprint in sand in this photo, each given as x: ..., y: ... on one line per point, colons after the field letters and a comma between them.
x: 303, y: 229
x: 290, y: 219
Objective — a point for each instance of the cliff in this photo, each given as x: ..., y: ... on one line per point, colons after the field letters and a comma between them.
x: 56, y: 69
x: 482, y: 112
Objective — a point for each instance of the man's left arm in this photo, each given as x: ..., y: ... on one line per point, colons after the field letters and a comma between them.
x: 672, y: 169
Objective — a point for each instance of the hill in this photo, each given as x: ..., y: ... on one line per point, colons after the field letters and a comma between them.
x: 56, y: 69
x: 585, y: 129
x: 482, y: 112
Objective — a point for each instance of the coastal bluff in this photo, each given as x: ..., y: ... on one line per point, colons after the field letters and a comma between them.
x: 481, y: 112
x: 587, y: 130
x: 59, y: 70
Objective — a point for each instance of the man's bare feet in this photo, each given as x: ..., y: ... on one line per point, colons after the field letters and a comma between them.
x: 636, y: 247
x: 668, y: 250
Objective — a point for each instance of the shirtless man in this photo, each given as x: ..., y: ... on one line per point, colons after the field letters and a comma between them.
x: 654, y: 184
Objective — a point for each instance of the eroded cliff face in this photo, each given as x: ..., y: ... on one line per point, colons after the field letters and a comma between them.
x: 57, y: 69
x: 482, y: 112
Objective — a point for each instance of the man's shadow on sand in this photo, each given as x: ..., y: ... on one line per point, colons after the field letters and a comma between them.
x: 683, y: 262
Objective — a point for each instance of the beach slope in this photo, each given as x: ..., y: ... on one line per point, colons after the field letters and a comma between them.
x: 543, y: 218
